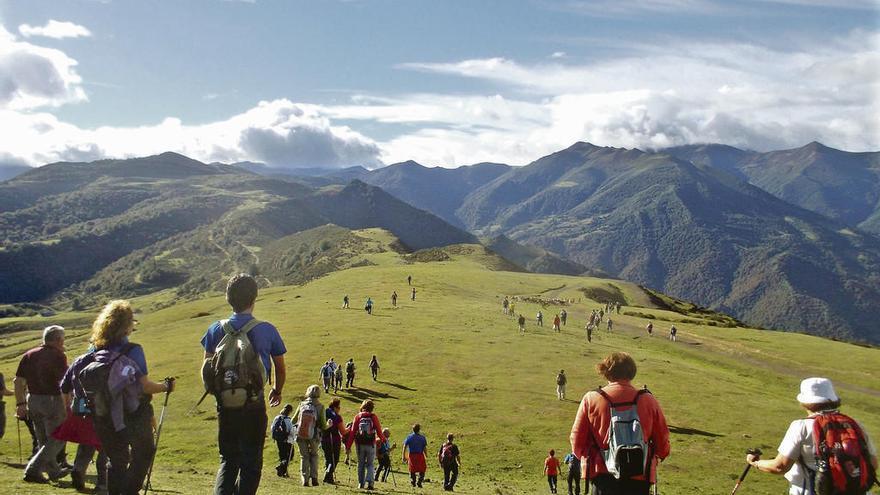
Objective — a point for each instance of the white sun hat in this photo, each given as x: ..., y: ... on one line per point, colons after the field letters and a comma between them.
x: 817, y: 391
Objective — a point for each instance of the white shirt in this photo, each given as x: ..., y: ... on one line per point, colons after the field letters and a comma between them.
x: 798, y: 444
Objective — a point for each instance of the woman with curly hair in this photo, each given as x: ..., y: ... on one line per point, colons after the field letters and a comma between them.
x: 126, y: 433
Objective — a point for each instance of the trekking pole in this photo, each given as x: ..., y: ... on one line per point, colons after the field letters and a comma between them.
x: 193, y: 408
x: 18, y: 427
x: 755, y: 452
x: 391, y: 468
x: 147, y: 486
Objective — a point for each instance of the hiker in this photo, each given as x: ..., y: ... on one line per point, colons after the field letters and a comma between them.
x: 338, y: 383
x: 797, y: 453
x: 331, y: 440
x: 610, y: 326
x: 394, y: 299
x: 513, y: 309
x: 242, y: 423
x: 282, y: 432
x: 522, y: 324
x: 672, y: 333
x: 650, y: 329
x: 563, y: 315
x: 326, y: 374
x: 540, y: 319
x: 38, y: 397
x: 345, y: 302
x: 374, y: 367
x: 551, y: 469
x: 79, y: 427
x: 310, y: 420
x: 618, y: 308
x: 450, y: 460
x: 333, y: 367
x: 413, y: 296
x: 561, y: 380
x: 415, y: 445
x: 589, y: 329
x: 574, y: 473
x: 409, y: 280
x: 383, y: 456
x: 123, y: 422
x: 349, y: 373
x: 365, y: 427
x: 556, y: 323
x: 505, y: 305
x: 621, y: 403
x: 368, y: 307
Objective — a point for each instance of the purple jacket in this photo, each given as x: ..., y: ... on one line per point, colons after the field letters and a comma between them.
x: 124, y: 385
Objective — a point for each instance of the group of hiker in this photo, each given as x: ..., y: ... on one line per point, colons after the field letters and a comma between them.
x: 103, y: 402
x: 368, y: 305
x: 673, y: 331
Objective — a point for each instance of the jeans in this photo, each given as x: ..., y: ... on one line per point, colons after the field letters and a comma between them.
x: 366, y: 454
x: 551, y: 480
x: 47, y: 413
x: 308, y: 462
x: 331, y: 459
x: 349, y: 380
x: 605, y: 484
x: 450, y: 475
x: 84, y: 455
x: 129, y: 451
x: 241, y: 438
x: 574, y: 478
x: 284, y: 451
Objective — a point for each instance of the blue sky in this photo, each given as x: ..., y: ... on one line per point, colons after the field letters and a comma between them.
x: 335, y: 83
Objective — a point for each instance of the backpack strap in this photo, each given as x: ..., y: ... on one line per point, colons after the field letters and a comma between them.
x: 615, y: 405
x: 227, y: 327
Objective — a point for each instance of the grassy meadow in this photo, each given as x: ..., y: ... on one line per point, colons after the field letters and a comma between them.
x: 451, y: 361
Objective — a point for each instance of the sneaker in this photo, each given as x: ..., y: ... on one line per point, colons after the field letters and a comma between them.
x: 35, y: 478
x: 76, y: 479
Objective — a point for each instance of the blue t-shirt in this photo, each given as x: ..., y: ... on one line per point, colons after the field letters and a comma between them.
x: 264, y: 337
x: 416, y: 442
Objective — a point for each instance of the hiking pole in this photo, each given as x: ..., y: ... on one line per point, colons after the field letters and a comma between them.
x: 755, y: 452
x: 147, y: 486
x: 193, y: 408
x: 391, y: 468
x: 18, y: 427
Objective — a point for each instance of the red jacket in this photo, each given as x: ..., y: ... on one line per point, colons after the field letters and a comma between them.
x: 594, y: 414
x: 354, y: 425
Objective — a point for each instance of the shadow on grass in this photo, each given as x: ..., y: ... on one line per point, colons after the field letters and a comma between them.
x: 397, y: 385
x: 359, y: 394
x: 14, y: 465
x: 678, y: 430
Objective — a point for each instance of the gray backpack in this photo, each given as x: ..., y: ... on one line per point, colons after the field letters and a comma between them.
x: 235, y: 375
x: 627, y: 453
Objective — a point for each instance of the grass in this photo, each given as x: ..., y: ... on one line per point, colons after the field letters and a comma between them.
x: 451, y: 361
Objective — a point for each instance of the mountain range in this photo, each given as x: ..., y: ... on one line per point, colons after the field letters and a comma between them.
x: 782, y: 239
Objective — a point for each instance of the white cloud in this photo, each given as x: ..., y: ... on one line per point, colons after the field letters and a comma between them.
x: 558, y: 55
x: 277, y: 132
x: 55, y: 29
x: 33, y: 76
x: 632, y: 8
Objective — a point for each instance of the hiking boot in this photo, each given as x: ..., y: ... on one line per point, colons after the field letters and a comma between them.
x: 76, y: 479
x: 60, y: 474
x: 370, y: 487
x: 314, y: 481
x: 35, y: 478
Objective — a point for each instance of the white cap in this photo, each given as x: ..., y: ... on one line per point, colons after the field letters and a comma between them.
x: 817, y: 391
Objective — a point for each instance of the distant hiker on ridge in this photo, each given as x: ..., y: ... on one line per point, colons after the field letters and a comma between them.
x: 349, y: 373
x: 409, y: 280
x: 563, y: 315
x: 561, y: 381
x: 556, y: 323
x: 241, y: 404
x: 394, y: 299
x: 608, y: 472
x: 345, y: 302
x: 522, y: 324
x: 368, y: 307
x: 672, y: 333
x: 505, y: 305
x: 413, y: 296
x: 650, y: 329
x: 610, y: 324
x: 540, y: 319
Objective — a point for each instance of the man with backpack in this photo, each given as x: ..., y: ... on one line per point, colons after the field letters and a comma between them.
x: 450, y: 460
x: 574, y: 473
x: 365, y: 430
x: 349, y: 373
x: 810, y: 456
x: 368, y: 307
x: 522, y: 324
x: 38, y: 397
x: 326, y: 376
x: 338, y: 382
x: 239, y: 354
x: 282, y: 430
x: 415, y: 445
x: 563, y: 315
x: 561, y: 380
x: 621, y: 460
x: 311, y: 420
x: 345, y: 302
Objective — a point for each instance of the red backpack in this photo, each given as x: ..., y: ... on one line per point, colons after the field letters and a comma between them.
x: 842, y: 458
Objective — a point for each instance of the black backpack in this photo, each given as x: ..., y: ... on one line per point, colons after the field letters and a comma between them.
x: 94, y: 378
x: 279, y: 430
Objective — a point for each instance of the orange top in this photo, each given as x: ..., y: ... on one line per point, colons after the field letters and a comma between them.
x: 594, y: 414
x: 551, y: 466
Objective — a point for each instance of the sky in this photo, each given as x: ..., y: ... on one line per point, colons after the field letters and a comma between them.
x: 335, y: 83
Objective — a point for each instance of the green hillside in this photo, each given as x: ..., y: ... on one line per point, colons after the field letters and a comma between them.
x: 452, y: 361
